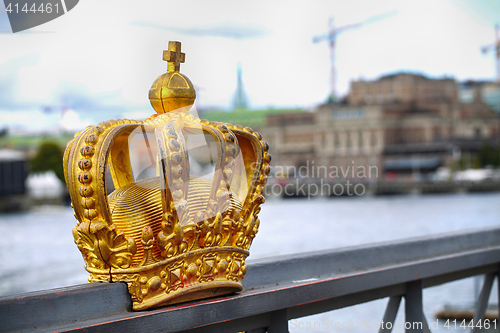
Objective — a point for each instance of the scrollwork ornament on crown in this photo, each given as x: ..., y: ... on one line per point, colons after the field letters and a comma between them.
x: 153, y: 237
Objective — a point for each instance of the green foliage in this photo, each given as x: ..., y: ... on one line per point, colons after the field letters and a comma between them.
x: 252, y: 118
x: 49, y: 157
x: 486, y: 156
x: 28, y: 142
x: 489, y: 156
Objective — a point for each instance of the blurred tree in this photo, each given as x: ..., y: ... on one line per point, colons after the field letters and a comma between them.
x: 49, y: 157
x: 488, y: 156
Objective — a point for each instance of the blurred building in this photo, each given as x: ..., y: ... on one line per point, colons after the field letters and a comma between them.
x: 402, y: 88
x: 405, y: 124
x: 489, y: 92
x: 13, y: 172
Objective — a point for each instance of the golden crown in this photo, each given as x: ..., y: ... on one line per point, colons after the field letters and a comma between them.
x: 175, y: 236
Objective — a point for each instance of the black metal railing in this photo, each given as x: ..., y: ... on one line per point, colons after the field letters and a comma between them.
x: 279, y: 289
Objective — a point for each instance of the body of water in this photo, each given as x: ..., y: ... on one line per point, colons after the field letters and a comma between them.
x: 37, y: 249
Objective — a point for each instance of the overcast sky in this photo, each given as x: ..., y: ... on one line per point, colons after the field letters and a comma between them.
x: 101, y: 58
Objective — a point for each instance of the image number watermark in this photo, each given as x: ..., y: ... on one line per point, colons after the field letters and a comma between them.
x: 363, y: 324
x: 26, y: 14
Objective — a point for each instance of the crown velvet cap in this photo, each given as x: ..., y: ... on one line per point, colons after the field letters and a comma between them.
x: 174, y: 236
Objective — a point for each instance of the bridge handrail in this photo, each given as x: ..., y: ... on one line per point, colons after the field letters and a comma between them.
x: 276, y: 290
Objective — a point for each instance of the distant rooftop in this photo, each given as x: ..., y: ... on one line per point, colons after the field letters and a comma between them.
x: 393, y: 75
x: 419, y: 75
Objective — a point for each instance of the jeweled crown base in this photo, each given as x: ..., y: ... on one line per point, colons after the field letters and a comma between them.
x: 193, y: 275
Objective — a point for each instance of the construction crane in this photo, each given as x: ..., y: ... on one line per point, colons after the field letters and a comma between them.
x: 496, y: 48
x: 330, y: 37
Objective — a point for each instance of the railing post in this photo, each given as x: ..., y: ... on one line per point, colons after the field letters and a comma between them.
x: 498, y: 291
x: 279, y: 322
x: 482, y: 302
x: 413, y: 308
x: 390, y: 314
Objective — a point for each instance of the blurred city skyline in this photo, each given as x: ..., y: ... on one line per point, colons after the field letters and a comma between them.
x: 100, y: 59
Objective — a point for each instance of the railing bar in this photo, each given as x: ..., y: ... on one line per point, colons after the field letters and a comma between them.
x: 342, y: 261
x: 482, y: 302
x: 339, y: 288
x: 413, y: 307
x: 459, y: 275
x: 390, y: 314
x: 279, y: 322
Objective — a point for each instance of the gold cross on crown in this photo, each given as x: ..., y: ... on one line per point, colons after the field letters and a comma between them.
x: 174, y: 57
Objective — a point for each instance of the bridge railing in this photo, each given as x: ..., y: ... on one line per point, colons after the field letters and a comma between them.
x: 278, y: 289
